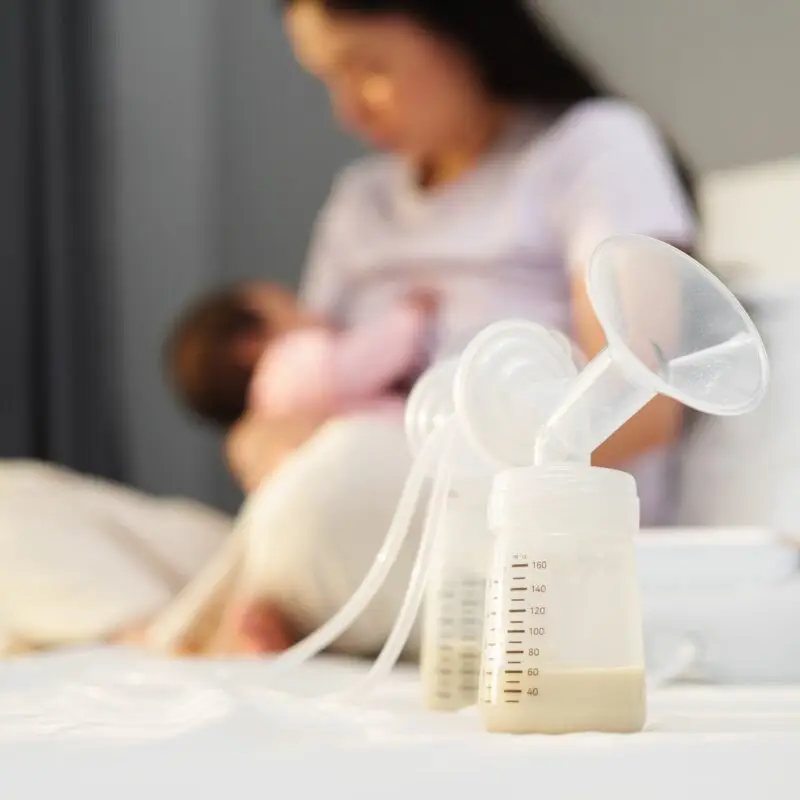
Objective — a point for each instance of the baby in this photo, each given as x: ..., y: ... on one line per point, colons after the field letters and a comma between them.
x: 252, y: 347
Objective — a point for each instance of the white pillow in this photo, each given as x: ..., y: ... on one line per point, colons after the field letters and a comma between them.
x: 80, y: 558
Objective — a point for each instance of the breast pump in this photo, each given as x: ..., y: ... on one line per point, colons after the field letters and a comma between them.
x: 562, y: 635
x: 563, y: 648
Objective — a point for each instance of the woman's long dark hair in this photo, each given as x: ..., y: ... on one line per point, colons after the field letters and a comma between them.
x: 516, y: 57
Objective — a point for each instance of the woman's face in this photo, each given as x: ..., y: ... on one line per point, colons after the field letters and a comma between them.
x: 391, y: 82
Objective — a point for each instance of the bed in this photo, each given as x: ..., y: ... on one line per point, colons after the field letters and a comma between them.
x: 117, y: 723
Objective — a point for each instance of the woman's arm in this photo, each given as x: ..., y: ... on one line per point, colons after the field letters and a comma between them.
x: 257, y: 444
x: 656, y: 425
x: 619, y: 178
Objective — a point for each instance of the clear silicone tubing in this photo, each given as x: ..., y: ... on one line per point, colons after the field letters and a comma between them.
x: 178, y: 618
x: 398, y: 637
x: 398, y: 531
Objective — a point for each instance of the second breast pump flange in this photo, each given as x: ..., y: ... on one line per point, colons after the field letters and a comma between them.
x: 563, y: 647
x: 455, y: 587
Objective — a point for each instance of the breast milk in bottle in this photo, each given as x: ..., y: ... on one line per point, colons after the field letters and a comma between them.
x: 454, y: 610
x: 564, y: 646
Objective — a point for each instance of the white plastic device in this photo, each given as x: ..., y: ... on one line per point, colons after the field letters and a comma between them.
x: 568, y: 653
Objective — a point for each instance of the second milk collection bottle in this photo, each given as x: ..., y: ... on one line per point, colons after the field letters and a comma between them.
x: 453, y: 605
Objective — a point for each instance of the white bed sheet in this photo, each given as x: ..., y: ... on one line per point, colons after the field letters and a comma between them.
x: 117, y: 724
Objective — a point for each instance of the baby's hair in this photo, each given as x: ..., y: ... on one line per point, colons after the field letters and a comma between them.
x: 199, y: 355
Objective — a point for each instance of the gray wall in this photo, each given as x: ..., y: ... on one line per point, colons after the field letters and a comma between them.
x: 164, y: 212
x: 718, y: 73
x: 222, y: 152
x: 280, y: 148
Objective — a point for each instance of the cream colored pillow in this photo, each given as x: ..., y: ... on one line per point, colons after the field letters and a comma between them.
x: 81, y: 558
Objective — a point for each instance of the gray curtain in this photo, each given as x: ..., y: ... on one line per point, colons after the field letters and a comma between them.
x: 57, y: 385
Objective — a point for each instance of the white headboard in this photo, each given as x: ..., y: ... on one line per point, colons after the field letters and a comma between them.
x: 751, y: 220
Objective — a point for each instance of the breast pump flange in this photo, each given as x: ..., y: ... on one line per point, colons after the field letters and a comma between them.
x: 563, y: 646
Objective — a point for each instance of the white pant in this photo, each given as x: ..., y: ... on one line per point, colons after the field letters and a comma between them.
x: 319, y: 521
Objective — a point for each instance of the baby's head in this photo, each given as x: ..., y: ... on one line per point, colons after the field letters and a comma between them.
x: 214, y: 348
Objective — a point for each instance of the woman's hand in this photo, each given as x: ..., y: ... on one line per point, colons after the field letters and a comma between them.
x: 257, y: 444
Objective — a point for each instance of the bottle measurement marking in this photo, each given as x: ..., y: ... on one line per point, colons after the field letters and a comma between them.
x: 514, y: 662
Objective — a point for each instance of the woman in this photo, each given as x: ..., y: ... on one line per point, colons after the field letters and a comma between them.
x: 504, y: 166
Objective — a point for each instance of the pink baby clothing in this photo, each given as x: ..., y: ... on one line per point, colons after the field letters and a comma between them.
x: 320, y: 370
